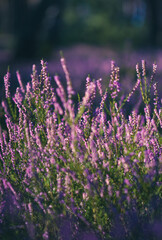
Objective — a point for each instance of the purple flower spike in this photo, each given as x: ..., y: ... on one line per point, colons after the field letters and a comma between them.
x: 114, y: 81
x: 7, y: 84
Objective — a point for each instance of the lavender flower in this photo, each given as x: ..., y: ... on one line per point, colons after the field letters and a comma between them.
x: 56, y: 162
x: 114, y: 80
x: 99, y: 85
x: 134, y: 89
x: 20, y: 82
x: 7, y: 84
x: 69, y: 84
x: 155, y: 94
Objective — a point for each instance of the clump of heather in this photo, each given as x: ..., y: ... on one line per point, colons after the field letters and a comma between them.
x: 67, y: 167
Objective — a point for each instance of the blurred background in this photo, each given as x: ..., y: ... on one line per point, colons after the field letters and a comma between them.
x: 90, y: 34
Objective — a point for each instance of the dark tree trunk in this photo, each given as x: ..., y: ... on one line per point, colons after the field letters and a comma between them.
x: 153, y: 21
x: 21, y: 28
x: 28, y: 23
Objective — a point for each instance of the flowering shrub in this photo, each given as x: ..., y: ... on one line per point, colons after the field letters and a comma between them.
x: 70, y: 165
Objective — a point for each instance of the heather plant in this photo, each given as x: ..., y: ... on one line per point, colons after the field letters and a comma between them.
x: 66, y: 164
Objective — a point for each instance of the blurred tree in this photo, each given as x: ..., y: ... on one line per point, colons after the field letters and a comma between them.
x: 154, y: 15
x: 28, y: 21
x: 38, y: 25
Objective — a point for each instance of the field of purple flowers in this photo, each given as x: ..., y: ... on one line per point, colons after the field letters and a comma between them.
x: 83, y: 60
x: 71, y: 169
